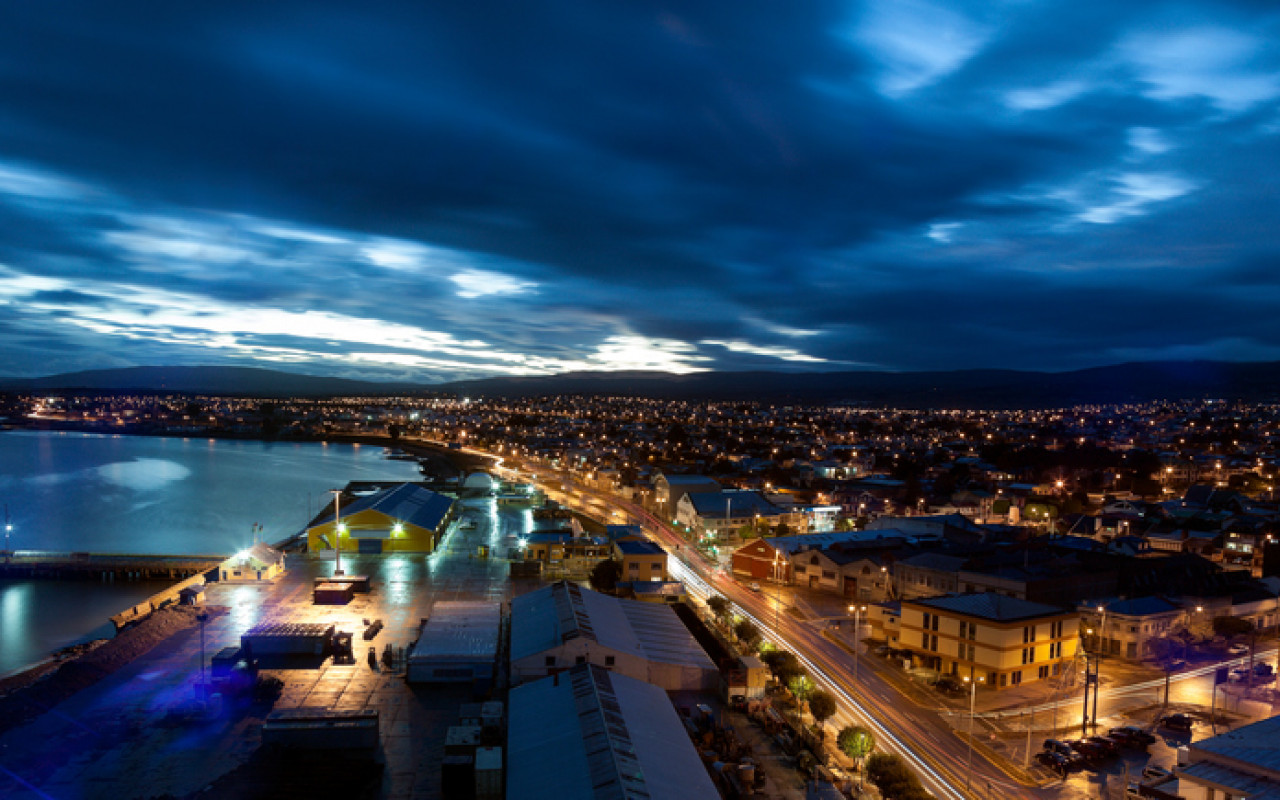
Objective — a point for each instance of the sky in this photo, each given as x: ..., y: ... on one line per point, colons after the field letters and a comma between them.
x: 435, y: 191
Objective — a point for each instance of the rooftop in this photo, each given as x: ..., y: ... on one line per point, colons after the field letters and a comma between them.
x: 990, y: 606
x: 588, y: 733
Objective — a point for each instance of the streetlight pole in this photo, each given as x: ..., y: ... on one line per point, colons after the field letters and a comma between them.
x: 857, y: 618
x: 8, y: 529
x: 973, y: 694
x: 337, y: 532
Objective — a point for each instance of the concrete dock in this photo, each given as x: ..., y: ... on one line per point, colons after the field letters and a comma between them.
x: 126, y: 736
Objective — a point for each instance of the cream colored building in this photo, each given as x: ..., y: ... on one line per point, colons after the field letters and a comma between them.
x: 1002, y: 641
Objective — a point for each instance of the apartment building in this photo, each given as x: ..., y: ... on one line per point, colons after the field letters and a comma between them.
x: 1001, y: 641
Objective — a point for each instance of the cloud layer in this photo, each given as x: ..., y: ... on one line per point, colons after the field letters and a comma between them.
x: 432, y: 192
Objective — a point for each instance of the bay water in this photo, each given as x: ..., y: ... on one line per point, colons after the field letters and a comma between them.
x: 96, y: 493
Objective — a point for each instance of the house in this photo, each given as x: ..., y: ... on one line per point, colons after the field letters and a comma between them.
x: 928, y: 574
x: 403, y: 518
x: 668, y: 490
x: 1126, y: 628
x: 588, y: 733
x: 720, y: 514
x: 565, y: 552
x: 562, y: 625
x: 1001, y: 641
x: 258, y: 564
x: 641, y: 560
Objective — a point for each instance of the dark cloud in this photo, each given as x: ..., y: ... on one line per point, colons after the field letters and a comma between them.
x: 461, y: 189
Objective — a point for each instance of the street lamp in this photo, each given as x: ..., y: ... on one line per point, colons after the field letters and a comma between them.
x: 338, y: 527
x: 973, y: 694
x: 856, y: 611
x: 8, y: 529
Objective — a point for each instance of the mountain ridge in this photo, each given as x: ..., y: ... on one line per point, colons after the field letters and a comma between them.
x: 969, y: 388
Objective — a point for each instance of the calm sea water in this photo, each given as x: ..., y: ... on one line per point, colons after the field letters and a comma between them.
x: 132, y: 494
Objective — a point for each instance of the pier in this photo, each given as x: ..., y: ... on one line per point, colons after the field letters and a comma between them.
x: 103, y: 566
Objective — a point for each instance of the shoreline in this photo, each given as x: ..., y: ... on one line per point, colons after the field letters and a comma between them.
x: 32, y: 693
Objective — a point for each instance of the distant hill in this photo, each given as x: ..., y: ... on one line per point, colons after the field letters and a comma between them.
x: 1122, y: 383
x: 245, y: 381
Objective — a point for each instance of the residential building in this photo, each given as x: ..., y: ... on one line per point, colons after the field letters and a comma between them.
x: 641, y: 560
x: 1126, y: 628
x: 1001, y: 640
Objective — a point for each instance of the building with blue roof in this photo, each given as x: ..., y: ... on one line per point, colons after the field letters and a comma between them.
x: 590, y: 733
x: 402, y: 518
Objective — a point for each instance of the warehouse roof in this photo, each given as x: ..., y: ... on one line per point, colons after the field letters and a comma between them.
x: 588, y: 733
x: 464, y: 629
x: 546, y: 618
x: 408, y: 503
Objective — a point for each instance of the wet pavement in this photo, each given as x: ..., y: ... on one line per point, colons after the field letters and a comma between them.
x: 138, y: 733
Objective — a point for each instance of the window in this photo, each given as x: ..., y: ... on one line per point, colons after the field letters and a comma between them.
x: 1028, y: 634
x: 1004, y: 680
x: 933, y: 645
x: 924, y: 640
x: 656, y: 566
x: 608, y: 661
x: 551, y: 661
x: 633, y: 566
x: 1028, y: 655
x: 826, y: 573
x: 799, y: 569
x: 926, y: 621
x: 1015, y: 678
x: 935, y: 622
x: 971, y: 658
x: 1043, y: 672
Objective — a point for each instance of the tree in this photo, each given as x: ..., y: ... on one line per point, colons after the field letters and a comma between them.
x: 1232, y: 626
x: 605, y: 576
x: 822, y: 705
x: 783, y: 664
x: 801, y: 686
x: 856, y: 742
x: 893, y: 778
x: 718, y: 605
x: 747, y: 633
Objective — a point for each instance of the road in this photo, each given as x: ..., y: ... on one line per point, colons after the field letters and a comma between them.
x: 925, y: 738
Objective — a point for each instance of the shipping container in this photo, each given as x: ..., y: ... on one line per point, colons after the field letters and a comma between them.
x: 489, y: 773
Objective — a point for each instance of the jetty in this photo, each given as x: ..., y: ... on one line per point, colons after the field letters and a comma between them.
x: 103, y: 566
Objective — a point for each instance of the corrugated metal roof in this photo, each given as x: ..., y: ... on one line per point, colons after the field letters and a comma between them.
x: 460, y: 629
x: 589, y: 734
x: 545, y: 618
x: 407, y: 503
x: 1257, y: 744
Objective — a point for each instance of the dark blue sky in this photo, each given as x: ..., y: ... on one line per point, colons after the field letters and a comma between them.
x: 442, y: 190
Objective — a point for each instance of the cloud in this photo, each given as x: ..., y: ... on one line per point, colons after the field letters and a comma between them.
x: 1212, y: 62
x: 480, y: 283
x: 916, y: 43
x: 781, y: 353
x: 1133, y: 194
x: 434, y: 193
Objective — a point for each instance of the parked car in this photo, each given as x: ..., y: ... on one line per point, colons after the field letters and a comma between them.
x: 1238, y: 650
x: 1154, y: 773
x: 1105, y: 748
x: 1177, y: 722
x: 949, y: 685
x: 1090, y: 750
x: 1063, y: 749
x: 1054, y: 761
x: 754, y: 586
x: 1136, y: 736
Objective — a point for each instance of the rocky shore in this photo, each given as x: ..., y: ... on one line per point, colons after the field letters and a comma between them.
x: 30, y: 693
